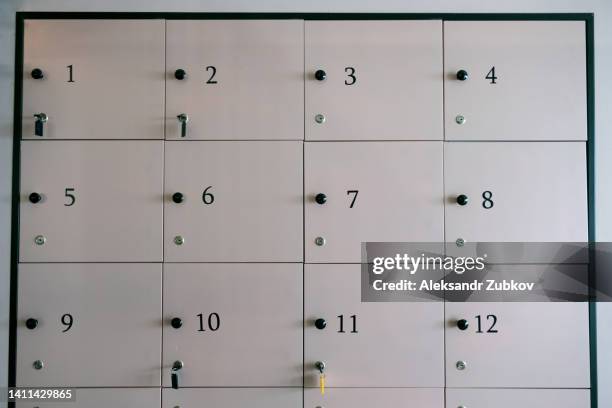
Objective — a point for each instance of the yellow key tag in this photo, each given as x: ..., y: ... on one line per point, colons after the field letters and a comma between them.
x: 322, y: 383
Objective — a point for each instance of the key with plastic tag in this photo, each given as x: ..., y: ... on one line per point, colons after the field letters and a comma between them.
x: 320, y: 365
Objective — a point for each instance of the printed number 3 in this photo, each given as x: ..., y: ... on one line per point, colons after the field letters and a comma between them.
x: 350, y: 72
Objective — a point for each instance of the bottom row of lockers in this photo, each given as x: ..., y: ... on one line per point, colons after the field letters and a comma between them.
x: 333, y: 398
x: 267, y: 325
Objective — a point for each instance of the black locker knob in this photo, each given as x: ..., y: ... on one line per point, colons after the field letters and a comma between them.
x: 180, y: 74
x: 462, y: 75
x: 178, y: 198
x: 462, y: 324
x: 35, y: 198
x: 37, y: 73
x: 320, y: 75
x: 321, y: 198
x: 176, y: 322
x: 31, y: 323
x: 462, y: 199
x: 320, y: 324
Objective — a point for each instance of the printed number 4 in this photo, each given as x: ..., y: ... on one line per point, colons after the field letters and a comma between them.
x: 491, y: 76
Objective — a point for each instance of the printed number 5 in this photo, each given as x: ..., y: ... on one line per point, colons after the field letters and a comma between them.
x: 70, y: 196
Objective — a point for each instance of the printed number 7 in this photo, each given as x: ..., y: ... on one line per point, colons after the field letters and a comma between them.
x: 349, y: 192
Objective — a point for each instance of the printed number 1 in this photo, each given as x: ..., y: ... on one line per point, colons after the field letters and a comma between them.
x: 70, y: 73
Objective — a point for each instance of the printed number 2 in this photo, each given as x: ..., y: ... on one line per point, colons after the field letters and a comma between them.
x: 491, y: 76
x: 213, y: 70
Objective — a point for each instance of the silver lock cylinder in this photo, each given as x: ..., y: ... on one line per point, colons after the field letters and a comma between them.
x: 460, y: 119
x: 319, y: 241
x: 179, y: 240
x: 40, y: 240
x: 460, y: 242
x: 319, y: 118
x: 41, y: 117
x: 461, y: 365
x: 38, y: 364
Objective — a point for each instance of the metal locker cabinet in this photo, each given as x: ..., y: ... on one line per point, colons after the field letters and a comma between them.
x: 537, y: 90
x: 96, y: 325
x: 233, y: 397
x: 240, y: 324
x: 91, y: 201
x: 373, y: 80
x: 233, y: 201
x: 235, y: 79
x: 516, y: 192
x: 537, y: 345
x: 508, y: 398
x: 389, y: 344
x: 375, y: 397
x: 104, y: 398
x: 101, y: 79
x: 373, y: 191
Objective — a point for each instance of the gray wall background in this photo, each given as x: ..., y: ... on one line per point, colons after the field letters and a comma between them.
x: 603, y: 96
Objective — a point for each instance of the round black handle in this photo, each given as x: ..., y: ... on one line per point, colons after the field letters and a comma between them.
x: 320, y: 324
x: 462, y: 324
x: 37, y: 73
x: 176, y: 322
x: 35, y: 198
x: 180, y: 74
x: 178, y: 198
x: 321, y: 198
x: 462, y: 199
x: 462, y: 75
x: 31, y: 323
x: 320, y: 75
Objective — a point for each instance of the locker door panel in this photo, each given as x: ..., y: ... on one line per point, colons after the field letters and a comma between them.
x: 536, y: 91
x: 104, y: 398
x: 242, y: 79
x: 375, y: 397
x: 373, y: 80
x: 516, y: 192
x: 240, y: 324
x: 97, y: 325
x: 392, y: 344
x: 483, y: 398
x: 374, y: 191
x: 233, y: 398
x: 102, y: 79
x: 97, y: 201
x: 240, y: 202
x: 522, y: 345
